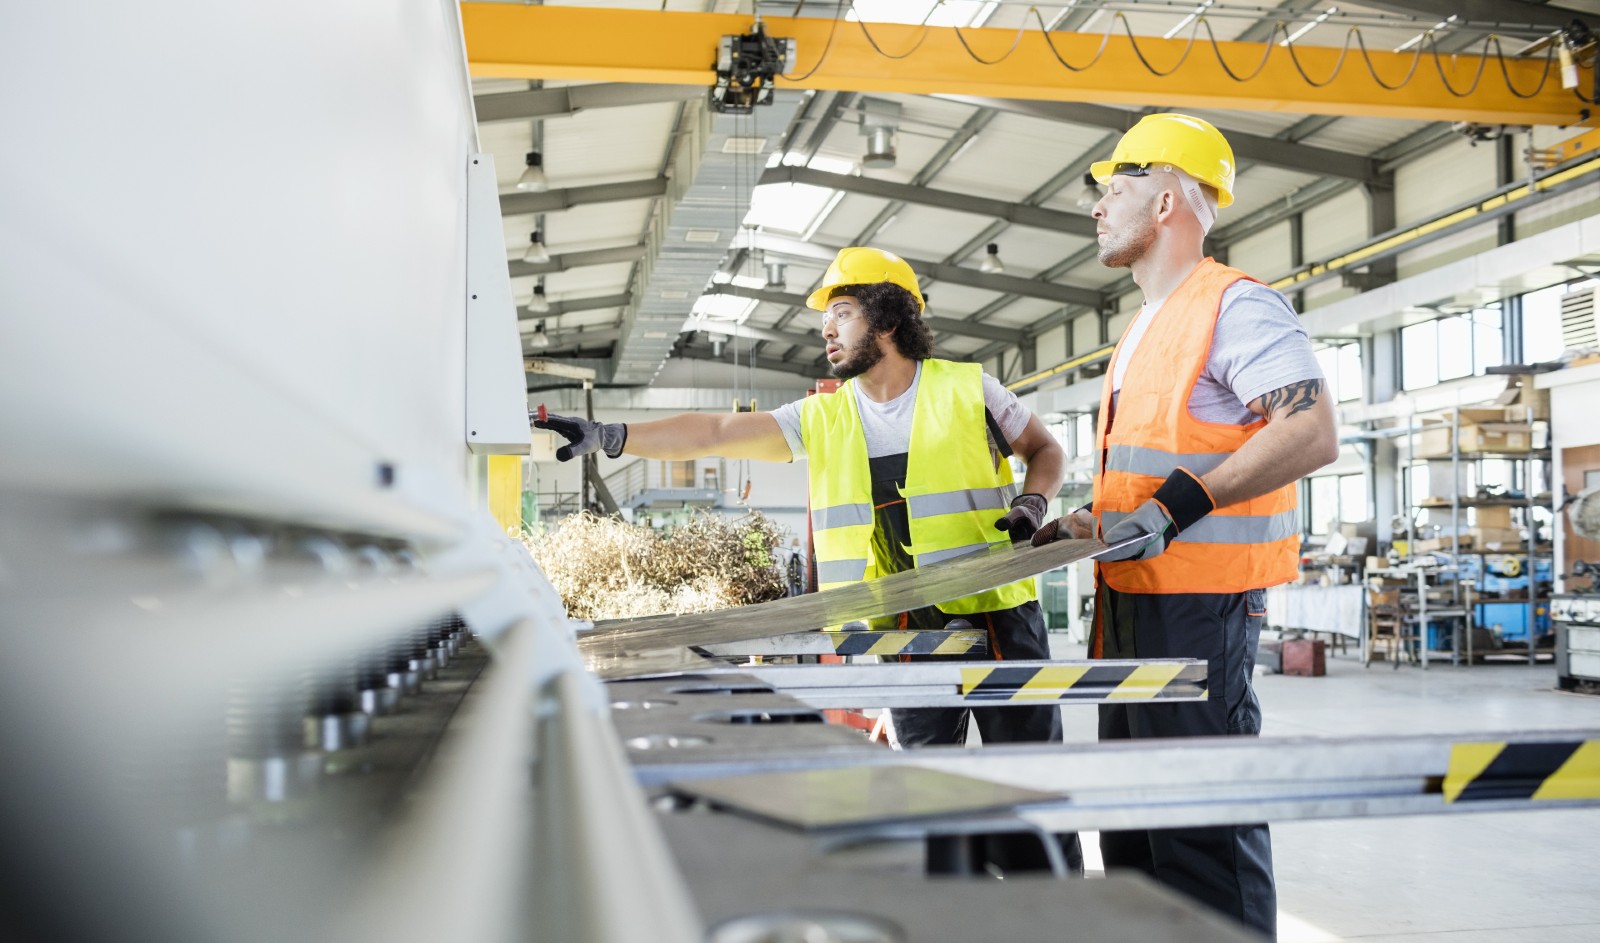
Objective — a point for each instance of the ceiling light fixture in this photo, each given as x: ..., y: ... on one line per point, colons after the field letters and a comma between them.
x: 991, y: 264
x: 880, y: 119
x: 538, y: 340
x: 539, y: 304
x: 1090, y: 194
x: 776, y: 275
x: 537, y: 254
x: 533, y: 179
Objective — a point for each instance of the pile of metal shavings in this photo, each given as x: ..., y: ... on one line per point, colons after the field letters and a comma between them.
x: 606, y: 568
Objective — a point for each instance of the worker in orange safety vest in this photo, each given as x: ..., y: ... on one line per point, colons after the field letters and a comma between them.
x: 1213, y: 408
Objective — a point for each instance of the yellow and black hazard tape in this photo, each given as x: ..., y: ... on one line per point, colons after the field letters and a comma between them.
x: 957, y: 642
x: 1498, y: 770
x: 1135, y: 682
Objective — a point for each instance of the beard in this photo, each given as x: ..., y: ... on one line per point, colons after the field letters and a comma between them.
x: 1121, y: 250
x: 859, y: 357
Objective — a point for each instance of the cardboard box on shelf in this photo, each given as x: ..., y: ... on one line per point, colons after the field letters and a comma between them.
x: 1434, y: 441
x: 1498, y: 518
x: 1520, y: 391
x: 1495, y: 538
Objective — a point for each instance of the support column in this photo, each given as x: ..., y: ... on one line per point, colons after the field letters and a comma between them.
x: 1505, y: 167
x: 1380, y: 219
x: 1380, y: 361
x: 1297, y: 255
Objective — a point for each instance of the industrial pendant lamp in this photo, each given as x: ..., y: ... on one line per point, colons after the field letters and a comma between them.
x: 533, y: 179
x: 991, y: 264
x: 538, y: 340
x: 537, y: 253
x: 539, y: 304
x: 1090, y: 194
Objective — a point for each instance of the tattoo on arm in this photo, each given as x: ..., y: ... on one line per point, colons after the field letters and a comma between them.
x: 1295, y: 398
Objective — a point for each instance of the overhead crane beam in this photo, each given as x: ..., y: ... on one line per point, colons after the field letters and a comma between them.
x: 1499, y: 13
x: 946, y: 272
x: 764, y: 363
x: 1019, y: 213
x: 992, y: 332
x: 558, y: 308
x: 571, y: 99
x: 550, y: 201
x: 651, y: 46
x: 567, y: 261
x: 1276, y: 152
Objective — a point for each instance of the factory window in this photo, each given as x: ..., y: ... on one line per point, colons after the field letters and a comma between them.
x: 1449, y: 348
x: 1334, y: 500
x: 1341, y: 366
x: 796, y: 208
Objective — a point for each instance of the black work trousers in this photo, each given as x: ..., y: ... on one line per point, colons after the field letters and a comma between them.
x: 1228, y: 868
x: 1015, y: 634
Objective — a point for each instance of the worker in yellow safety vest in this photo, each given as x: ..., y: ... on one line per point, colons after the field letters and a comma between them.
x: 1212, y: 409
x: 908, y: 466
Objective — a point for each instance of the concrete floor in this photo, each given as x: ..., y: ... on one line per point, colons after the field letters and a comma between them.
x: 1524, y: 877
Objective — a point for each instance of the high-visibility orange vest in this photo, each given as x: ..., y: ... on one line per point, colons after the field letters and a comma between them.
x: 1244, y: 546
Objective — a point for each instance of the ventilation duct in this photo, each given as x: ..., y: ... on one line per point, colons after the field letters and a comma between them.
x: 709, y: 192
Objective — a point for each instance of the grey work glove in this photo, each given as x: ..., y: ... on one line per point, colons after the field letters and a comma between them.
x: 583, y: 435
x: 1177, y: 505
x: 1027, y: 511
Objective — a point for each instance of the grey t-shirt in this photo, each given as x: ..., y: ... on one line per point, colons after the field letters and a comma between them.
x: 1259, y: 346
x: 887, y: 426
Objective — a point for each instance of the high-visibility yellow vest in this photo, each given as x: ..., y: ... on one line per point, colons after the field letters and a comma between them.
x: 1249, y: 545
x: 955, y: 489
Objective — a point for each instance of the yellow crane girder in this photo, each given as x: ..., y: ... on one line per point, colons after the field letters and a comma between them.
x: 616, y: 45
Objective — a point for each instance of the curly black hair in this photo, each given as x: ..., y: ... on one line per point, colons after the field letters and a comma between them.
x: 888, y: 307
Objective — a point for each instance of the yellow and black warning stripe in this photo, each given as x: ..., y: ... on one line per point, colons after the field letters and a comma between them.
x: 1500, y: 770
x: 1124, y: 682
x: 959, y: 642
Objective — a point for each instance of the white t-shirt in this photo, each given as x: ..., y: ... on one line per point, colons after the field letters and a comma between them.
x: 1259, y: 346
x: 887, y: 426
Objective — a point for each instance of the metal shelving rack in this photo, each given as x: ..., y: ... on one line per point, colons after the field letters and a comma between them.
x: 1530, y: 556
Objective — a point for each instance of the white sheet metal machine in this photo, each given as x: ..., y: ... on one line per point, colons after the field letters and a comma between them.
x: 256, y: 338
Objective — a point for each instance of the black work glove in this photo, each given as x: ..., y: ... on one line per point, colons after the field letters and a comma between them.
x: 1027, y: 511
x: 1062, y: 528
x: 1180, y: 502
x: 583, y: 435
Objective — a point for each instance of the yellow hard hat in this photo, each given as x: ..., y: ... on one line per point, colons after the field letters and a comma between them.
x: 859, y: 265
x: 1190, y: 144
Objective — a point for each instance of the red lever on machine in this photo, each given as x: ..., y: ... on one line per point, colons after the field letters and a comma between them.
x: 543, y: 416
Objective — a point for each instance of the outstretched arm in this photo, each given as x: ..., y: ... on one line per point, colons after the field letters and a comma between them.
x: 687, y: 435
x: 1301, y: 436
x: 693, y: 435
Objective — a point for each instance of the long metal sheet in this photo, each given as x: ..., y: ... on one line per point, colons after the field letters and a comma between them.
x: 862, y: 795
x: 958, y: 642
x: 613, y: 643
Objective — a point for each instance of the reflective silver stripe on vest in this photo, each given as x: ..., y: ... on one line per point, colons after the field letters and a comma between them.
x: 958, y: 502
x: 841, y: 571
x: 1138, y: 460
x: 1227, y: 528
x: 934, y: 556
x: 841, y: 515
